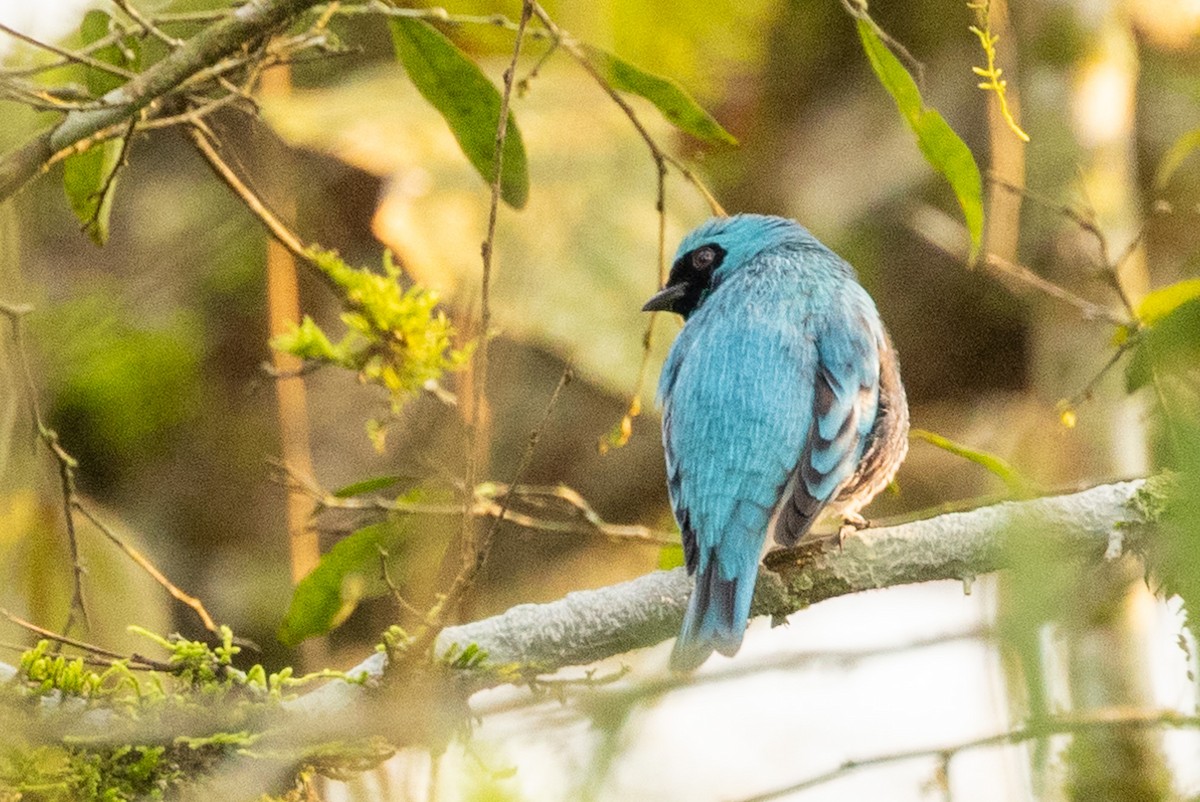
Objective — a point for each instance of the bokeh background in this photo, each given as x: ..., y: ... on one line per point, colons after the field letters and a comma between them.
x: 148, y: 356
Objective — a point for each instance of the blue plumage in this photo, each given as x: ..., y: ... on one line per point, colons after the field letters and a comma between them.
x: 781, y: 398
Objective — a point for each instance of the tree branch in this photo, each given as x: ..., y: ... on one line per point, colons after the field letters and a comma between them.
x: 591, y: 625
x: 224, y: 37
x: 1101, y: 522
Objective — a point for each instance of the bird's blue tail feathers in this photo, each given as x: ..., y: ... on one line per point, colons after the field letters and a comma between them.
x: 716, y: 616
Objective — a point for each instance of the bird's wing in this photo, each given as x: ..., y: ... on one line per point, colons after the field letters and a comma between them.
x: 844, y: 401
x: 732, y: 428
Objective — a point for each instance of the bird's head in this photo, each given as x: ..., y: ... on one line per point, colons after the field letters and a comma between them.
x: 716, y: 250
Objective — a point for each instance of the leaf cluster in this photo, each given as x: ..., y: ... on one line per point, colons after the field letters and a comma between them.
x: 396, y: 338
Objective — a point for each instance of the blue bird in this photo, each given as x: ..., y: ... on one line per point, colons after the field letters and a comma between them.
x: 781, y: 402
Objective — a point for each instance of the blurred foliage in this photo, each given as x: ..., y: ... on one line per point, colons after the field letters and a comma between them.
x: 1173, y: 159
x: 699, y: 50
x: 589, y: 272
x: 122, y: 389
x: 1017, y: 485
x: 1168, y: 348
x: 571, y: 273
x: 215, y: 710
x: 89, y: 181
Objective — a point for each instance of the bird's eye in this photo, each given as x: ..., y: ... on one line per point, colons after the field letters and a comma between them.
x: 703, y: 258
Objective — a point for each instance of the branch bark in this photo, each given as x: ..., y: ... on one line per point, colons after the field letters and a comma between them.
x: 591, y: 625
x: 244, y: 24
x: 1102, y: 522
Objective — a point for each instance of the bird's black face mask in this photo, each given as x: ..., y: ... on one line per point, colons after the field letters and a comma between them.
x: 689, y: 282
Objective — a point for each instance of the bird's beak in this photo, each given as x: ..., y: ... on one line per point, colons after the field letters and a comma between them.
x: 664, y: 300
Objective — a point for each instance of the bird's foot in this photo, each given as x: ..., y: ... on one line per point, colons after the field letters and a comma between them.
x: 851, y: 523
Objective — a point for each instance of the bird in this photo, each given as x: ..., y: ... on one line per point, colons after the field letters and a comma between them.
x: 781, y: 403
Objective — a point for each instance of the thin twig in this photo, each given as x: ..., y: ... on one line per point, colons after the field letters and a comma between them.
x: 1088, y: 389
x: 466, y: 577
x: 144, y: 563
x: 660, y: 157
x: 401, y: 602
x: 661, y: 160
x: 69, y: 55
x: 486, y: 506
x: 147, y: 25
x: 277, y: 227
x: 519, y: 474
x: 934, y: 227
x: 473, y: 546
x: 1086, y: 222
x: 66, y: 476
x: 37, y: 69
x: 145, y: 663
x: 858, y: 10
x: 226, y: 37
x: 1000, y: 266
x: 110, y: 180
x: 1059, y: 725
x: 524, y: 83
x: 65, y: 462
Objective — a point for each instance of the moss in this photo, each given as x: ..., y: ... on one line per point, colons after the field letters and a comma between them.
x: 1152, y: 500
x: 197, y: 690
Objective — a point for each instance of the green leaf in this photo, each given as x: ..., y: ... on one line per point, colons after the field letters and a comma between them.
x: 1017, y: 484
x: 347, y: 574
x: 88, y: 177
x: 1171, y: 345
x: 1175, y: 156
x: 127, y: 53
x: 468, y: 102
x: 940, y: 146
x: 89, y: 183
x: 367, y: 486
x: 668, y: 96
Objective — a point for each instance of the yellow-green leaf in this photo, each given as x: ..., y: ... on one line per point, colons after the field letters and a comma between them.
x: 1017, y: 484
x: 942, y: 148
x: 1169, y: 345
x: 1161, y: 302
x: 1175, y: 155
x: 367, y: 486
x: 667, y: 96
x: 467, y: 100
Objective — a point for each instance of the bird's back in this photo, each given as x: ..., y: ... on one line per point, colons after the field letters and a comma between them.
x: 781, y: 397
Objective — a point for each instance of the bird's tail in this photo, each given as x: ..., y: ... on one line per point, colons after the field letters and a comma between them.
x: 715, y: 618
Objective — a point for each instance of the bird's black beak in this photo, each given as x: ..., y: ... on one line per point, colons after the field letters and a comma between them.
x: 665, y: 299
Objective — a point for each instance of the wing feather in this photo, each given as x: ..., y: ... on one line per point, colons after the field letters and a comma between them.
x: 845, y: 401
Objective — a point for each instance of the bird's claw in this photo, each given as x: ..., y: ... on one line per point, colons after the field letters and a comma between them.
x: 850, y: 524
